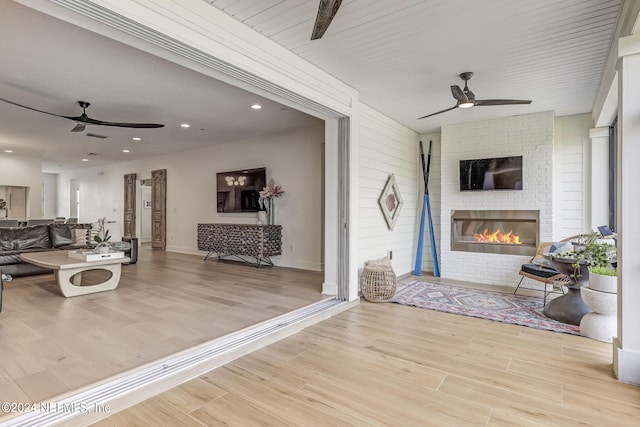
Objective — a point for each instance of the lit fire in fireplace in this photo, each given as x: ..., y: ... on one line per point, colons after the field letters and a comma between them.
x: 498, y: 237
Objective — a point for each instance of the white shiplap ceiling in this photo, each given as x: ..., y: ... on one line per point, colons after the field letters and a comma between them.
x: 403, y: 55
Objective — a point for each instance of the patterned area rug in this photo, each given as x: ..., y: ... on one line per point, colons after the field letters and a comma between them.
x: 499, y: 306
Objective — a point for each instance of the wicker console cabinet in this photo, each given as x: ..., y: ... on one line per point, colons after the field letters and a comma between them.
x: 243, y: 241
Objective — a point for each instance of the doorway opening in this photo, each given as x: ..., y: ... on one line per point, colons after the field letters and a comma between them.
x: 144, y: 210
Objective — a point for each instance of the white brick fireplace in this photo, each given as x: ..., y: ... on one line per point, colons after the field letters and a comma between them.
x: 530, y: 136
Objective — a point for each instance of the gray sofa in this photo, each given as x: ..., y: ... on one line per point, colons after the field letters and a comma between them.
x: 18, y: 240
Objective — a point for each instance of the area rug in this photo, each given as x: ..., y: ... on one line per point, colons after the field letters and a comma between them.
x: 499, y: 306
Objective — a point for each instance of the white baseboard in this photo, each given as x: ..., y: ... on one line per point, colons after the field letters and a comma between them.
x: 626, y: 364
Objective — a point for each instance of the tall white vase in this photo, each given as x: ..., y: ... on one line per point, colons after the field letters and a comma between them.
x: 271, y: 212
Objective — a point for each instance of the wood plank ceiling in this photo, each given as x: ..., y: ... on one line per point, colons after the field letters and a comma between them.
x: 403, y: 55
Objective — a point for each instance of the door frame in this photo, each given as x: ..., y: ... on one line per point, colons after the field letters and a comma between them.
x: 340, y: 269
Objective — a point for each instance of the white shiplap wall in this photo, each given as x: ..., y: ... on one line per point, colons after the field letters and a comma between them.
x: 571, y: 168
x: 386, y: 147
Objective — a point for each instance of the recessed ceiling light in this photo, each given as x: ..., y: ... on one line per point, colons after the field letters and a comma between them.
x: 137, y: 138
x: 256, y: 106
x: 125, y: 151
x: 185, y: 125
x: 8, y: 151
x: 85, y: 160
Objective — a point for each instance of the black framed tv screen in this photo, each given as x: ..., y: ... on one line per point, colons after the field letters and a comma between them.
x: 498, y: 173
x: 239, y: 191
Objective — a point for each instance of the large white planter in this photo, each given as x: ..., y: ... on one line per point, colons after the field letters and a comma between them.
x: 604, y: 303
x: 599, y: 282
x: 601, y: 324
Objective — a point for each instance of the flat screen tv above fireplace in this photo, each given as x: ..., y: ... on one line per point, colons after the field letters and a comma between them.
x: 239, y: 191
x: 498, y: 173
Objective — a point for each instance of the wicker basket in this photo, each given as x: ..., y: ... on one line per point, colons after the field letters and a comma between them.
x: 378, y: 281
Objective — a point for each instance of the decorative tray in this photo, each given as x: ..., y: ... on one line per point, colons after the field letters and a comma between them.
x: 85, y: 255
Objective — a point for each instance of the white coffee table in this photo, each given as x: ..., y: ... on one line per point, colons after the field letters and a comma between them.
x: 68, y: 271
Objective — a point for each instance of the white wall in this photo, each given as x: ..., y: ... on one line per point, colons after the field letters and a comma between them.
x: 571, y: 168
x: 23, y: 171
x: 50, y: 189
x: 530, y: 136
x: 293, y: 159
x: 386, y: 147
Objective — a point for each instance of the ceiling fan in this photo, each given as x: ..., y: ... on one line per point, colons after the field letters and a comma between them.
x: 83, y: 119
x: 466, y: 99
x: 326, y: 11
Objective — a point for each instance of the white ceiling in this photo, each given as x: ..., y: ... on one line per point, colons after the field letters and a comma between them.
x: 402, y: 55
x: 52, y: 68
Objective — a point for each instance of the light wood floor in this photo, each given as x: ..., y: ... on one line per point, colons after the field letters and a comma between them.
x: 168, y: 302
x: 386, y: 364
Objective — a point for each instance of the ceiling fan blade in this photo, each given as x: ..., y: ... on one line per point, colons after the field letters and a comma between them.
x: 79, y: 127
x: 502, y: 101
x: 30, y: 108
x: 459, y: 94
x: 326, y: 11
x: 433, y: 114
x: 83, y: 120
x: 90, y: 121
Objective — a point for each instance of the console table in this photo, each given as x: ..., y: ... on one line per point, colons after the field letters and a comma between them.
x: 259, y: 242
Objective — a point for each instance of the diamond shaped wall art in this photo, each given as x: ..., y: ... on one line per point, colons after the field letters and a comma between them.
x: 390, y: 201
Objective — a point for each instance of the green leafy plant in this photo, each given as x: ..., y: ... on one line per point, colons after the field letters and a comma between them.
x: 604, y: 271
x: 589, y: 250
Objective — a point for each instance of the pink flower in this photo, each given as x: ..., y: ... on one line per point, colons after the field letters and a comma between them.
x: 271, y: 191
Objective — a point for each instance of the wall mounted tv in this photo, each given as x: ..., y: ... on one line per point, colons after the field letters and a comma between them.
x: 499, y: 173
x: 239, y: 191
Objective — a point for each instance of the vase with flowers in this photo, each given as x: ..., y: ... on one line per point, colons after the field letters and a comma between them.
x: 267, y: 200
x: 103, y: 237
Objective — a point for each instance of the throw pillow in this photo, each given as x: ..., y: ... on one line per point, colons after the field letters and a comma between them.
x: 79, y: 236
x: 60, y: 235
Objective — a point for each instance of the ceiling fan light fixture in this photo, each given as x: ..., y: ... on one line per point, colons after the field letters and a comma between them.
x: 467, y: 99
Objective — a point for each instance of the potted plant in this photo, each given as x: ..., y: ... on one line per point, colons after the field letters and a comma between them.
x: 589, y: 250
x: 603, y: 279
x: 103, y: 237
